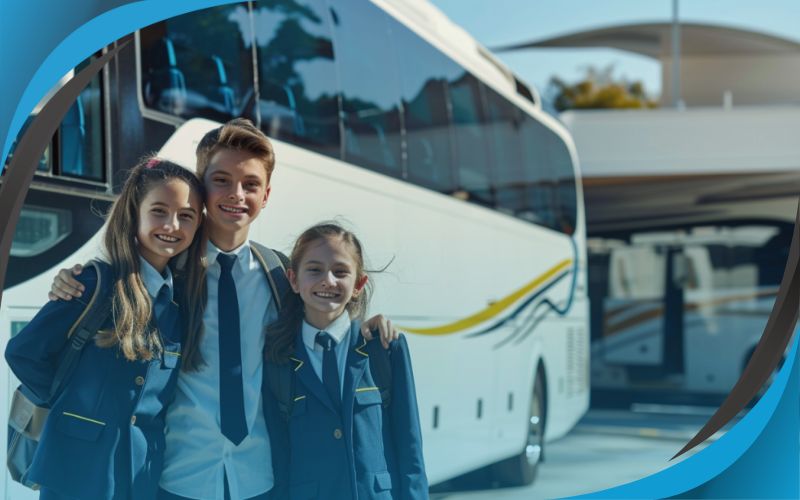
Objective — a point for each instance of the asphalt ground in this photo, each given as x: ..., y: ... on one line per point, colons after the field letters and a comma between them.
x: 607, y: 448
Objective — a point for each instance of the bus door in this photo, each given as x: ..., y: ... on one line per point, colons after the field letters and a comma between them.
x: 633, y: 315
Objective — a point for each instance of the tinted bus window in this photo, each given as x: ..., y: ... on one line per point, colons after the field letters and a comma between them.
x: 425, y: 73
x: 200, y: 64
x: 370, y: 86
x: 503, y: 130
x: 564, y: 185
x: 471, y: 142
x: 80, y: 136
x: 77, y: 147
x: 539, y: 177
x: 298, y: 94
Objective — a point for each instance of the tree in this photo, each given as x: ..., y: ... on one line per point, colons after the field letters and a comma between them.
x: 599, y: 90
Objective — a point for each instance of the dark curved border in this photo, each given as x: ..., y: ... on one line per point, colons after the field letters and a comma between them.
x: 768, y: 352
x: 19, y: 174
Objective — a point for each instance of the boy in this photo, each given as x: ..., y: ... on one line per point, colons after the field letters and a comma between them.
x: 217, y: 442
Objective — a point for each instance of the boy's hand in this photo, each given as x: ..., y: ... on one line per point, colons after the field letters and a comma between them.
x: 388, y: 333
x: 65, y: 286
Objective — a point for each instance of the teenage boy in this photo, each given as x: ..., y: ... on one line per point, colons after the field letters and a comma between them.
x: 217, y: 442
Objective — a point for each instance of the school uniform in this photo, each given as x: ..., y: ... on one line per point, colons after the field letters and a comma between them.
x: 355, y: 449
x: 201, y: 462
x: 104, y: 437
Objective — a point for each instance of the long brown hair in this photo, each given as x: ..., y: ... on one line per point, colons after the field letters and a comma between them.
x: 281, y: 334
x: 133, y: 333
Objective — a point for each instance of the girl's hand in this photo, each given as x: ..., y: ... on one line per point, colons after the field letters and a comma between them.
x: 65, y: 286
x: 388, y: 333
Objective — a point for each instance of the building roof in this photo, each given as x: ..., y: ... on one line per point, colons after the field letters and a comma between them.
x: 654, y: 40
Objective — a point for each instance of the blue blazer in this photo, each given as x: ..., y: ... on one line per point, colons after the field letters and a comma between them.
x: 362, y: 452
x: 104, y: 437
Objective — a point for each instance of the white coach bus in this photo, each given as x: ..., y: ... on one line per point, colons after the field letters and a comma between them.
x: 387, y: 115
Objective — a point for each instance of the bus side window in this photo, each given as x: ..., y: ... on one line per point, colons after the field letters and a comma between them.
x: 504, y: 130
x: 73, y: 134
x: 471, y: 141
x: 79, y: 140
x: 539, y: 177
x: 165, y: 88
x: 298, y: 96
x: 200, y: 64
x: 424, y: 74
x: 370, y: 87
x: 565, y: 195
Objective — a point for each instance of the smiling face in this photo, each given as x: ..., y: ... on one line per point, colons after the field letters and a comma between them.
x: 326, y: 279
x: 236, y: 191
x: 169, y: 216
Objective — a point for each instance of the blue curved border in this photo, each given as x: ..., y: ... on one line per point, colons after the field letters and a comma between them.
x: 756, y: 458
x: 27, y: 35
x: 41, y: 40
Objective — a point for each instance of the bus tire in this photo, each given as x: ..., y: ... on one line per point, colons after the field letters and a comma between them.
x: 520, y: 470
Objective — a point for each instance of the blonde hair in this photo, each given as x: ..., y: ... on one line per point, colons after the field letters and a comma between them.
x: 133, y: 332
x: 238, y: 134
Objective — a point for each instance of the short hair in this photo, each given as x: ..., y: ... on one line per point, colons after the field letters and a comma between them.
x: 238, y: 134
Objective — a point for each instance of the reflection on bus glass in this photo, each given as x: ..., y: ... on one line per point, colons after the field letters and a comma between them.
x: 665, y: 303
x: 189, y: 72
x: 396, y: 105
x: 39, y: 229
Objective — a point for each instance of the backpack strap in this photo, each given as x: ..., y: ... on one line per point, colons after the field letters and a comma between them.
x: 274, y: 264
x: 380, y: 365
x: 280, y: 377
x: 85, y: 327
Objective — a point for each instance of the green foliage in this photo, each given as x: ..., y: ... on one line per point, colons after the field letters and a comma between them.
x: 599, y: 90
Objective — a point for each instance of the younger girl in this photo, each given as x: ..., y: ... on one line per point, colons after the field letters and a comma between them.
x: 340, y: 439
x: 104, y: 436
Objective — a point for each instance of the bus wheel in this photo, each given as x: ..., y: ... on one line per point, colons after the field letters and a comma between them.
x: 521, y: 469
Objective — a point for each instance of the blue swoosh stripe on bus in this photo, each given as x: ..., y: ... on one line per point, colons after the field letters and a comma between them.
x: 521, y: 307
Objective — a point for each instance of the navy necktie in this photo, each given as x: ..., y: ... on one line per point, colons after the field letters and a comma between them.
x: 162, y: 301
x: 231, y: 393
x: 330, y: 368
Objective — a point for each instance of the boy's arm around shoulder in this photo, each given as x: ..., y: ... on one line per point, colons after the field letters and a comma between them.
x: 33, y: 353
x: 406, y: 430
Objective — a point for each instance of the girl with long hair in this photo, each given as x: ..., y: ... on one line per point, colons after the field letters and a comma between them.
x: 343, y: 436
x: 104, y: 436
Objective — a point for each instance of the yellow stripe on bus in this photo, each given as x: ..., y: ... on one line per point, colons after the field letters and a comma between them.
x: 494, y: 309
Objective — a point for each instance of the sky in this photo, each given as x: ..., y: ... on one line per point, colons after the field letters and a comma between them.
x: 496, y: 23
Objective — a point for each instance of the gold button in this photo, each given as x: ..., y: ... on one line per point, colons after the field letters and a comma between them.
x: 133, y: 420
x: 337, y: 434
x: 139, y: 380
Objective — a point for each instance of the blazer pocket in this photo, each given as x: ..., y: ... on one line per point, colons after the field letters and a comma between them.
x: 304, y: 491
x: 171, y: 356
x: 366, y: 396
x: 383, y: 481
x: 78, y: 426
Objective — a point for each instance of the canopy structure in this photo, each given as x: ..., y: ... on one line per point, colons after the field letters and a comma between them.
x: 654, y: 40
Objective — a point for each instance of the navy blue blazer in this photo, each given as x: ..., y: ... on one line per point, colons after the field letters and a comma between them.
x: 104, y: 437
x: 362, y: 452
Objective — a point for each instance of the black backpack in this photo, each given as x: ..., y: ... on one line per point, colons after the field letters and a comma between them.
x: 280, y: 377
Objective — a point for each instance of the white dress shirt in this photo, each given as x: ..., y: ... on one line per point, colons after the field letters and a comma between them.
x: 197, y: 454
x: 340, y: 331
x: 153, y: 280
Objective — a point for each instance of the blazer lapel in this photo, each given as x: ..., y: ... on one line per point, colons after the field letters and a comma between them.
x: 305, y: 373
x: 357, y: 359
